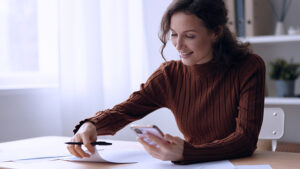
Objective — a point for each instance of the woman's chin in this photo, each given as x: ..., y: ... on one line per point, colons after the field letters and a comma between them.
x: 187, y: 62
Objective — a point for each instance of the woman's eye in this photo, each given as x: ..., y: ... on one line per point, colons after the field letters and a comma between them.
x: 190, y: 36
x: 173, y: 34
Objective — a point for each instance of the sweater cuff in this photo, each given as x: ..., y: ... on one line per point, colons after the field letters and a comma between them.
x: 81, y: 123
x: 192, y: 154
x: 184, y: 160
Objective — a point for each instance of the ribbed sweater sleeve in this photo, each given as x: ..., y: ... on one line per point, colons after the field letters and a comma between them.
x: 242, y: 140
x: 151, y: 96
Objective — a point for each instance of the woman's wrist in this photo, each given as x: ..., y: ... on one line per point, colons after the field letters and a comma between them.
x: 88, y: 124
x: 84, y: 122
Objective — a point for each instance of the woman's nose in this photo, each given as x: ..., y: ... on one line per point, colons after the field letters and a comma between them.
x: 179, y: 44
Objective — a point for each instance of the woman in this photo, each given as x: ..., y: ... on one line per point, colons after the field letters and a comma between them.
x: 216, y: 91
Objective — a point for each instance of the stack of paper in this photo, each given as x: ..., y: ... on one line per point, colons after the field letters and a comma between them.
x: 266, y: 166
x: 114, y: 156
x: 143, y: 160
x: 158, y: 164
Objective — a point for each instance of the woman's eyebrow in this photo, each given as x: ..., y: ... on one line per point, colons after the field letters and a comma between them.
x: 190, y: 30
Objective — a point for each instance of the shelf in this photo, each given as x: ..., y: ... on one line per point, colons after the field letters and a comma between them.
x: 282, y: 101
x: 271, y: 39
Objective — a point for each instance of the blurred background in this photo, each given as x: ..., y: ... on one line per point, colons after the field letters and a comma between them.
x: 61, y: 61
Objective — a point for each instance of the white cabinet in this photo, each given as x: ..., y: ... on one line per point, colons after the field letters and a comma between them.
x: 288, y: 46
x: 270, y: 48
x: 271, y: 39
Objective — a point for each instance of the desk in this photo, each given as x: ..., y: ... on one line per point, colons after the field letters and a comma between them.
x: 278, y: 160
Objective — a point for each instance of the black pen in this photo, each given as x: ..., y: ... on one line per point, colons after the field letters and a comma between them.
x: 102, y: 143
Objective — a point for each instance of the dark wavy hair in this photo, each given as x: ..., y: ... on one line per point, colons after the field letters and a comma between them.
x: 226, y: 49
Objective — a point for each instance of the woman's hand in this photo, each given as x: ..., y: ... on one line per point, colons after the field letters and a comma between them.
x: 87, y: 133
x: 172, y: 150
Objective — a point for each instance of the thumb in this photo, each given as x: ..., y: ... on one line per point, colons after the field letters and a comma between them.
x: 171, y: 139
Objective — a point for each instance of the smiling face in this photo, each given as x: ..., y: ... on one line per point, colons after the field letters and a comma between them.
x: 191, y: 38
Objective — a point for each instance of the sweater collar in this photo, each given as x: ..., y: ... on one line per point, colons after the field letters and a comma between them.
x: 205, y: 69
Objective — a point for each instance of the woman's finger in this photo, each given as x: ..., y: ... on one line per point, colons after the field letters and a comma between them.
x: 146, y: 144
x: 171, y: 139
x: 71, y: 149
x: 157, y: 140
x: 174, y: 139
x: 151, y: 149
x: 79, y: 150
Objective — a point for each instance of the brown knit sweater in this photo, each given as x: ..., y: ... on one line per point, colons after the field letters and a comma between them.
x: 218, y: 109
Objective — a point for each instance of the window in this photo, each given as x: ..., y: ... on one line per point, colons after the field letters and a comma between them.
x: 28, y: 43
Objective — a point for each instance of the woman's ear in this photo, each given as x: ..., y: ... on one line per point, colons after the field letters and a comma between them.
x: 217, y: 34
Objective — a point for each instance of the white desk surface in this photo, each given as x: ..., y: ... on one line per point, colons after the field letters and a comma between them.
x: 277, y: 160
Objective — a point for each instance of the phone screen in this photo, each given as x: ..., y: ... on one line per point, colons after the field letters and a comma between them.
x: 142, y: 130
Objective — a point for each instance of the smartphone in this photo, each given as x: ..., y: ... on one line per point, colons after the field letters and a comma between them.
x: 141, y: 131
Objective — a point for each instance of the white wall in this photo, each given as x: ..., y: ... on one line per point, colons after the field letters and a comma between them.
x: 36, y: 112
x: 29, y: 113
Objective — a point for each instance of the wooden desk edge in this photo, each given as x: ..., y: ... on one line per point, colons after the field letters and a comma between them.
x: 277, y: 160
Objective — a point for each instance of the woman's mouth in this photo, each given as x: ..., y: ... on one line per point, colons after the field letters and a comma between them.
x: 185, y: 54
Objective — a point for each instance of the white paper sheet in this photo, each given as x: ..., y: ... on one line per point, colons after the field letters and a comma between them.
x: 266, y: 166
x: 114, y: 156
x: 158, y: 164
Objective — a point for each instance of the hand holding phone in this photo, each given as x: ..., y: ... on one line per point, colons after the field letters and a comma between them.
x: 141, y: 131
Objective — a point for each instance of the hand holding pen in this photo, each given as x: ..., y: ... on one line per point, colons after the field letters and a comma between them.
x: 86, y: 135
x: 102, y: 143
